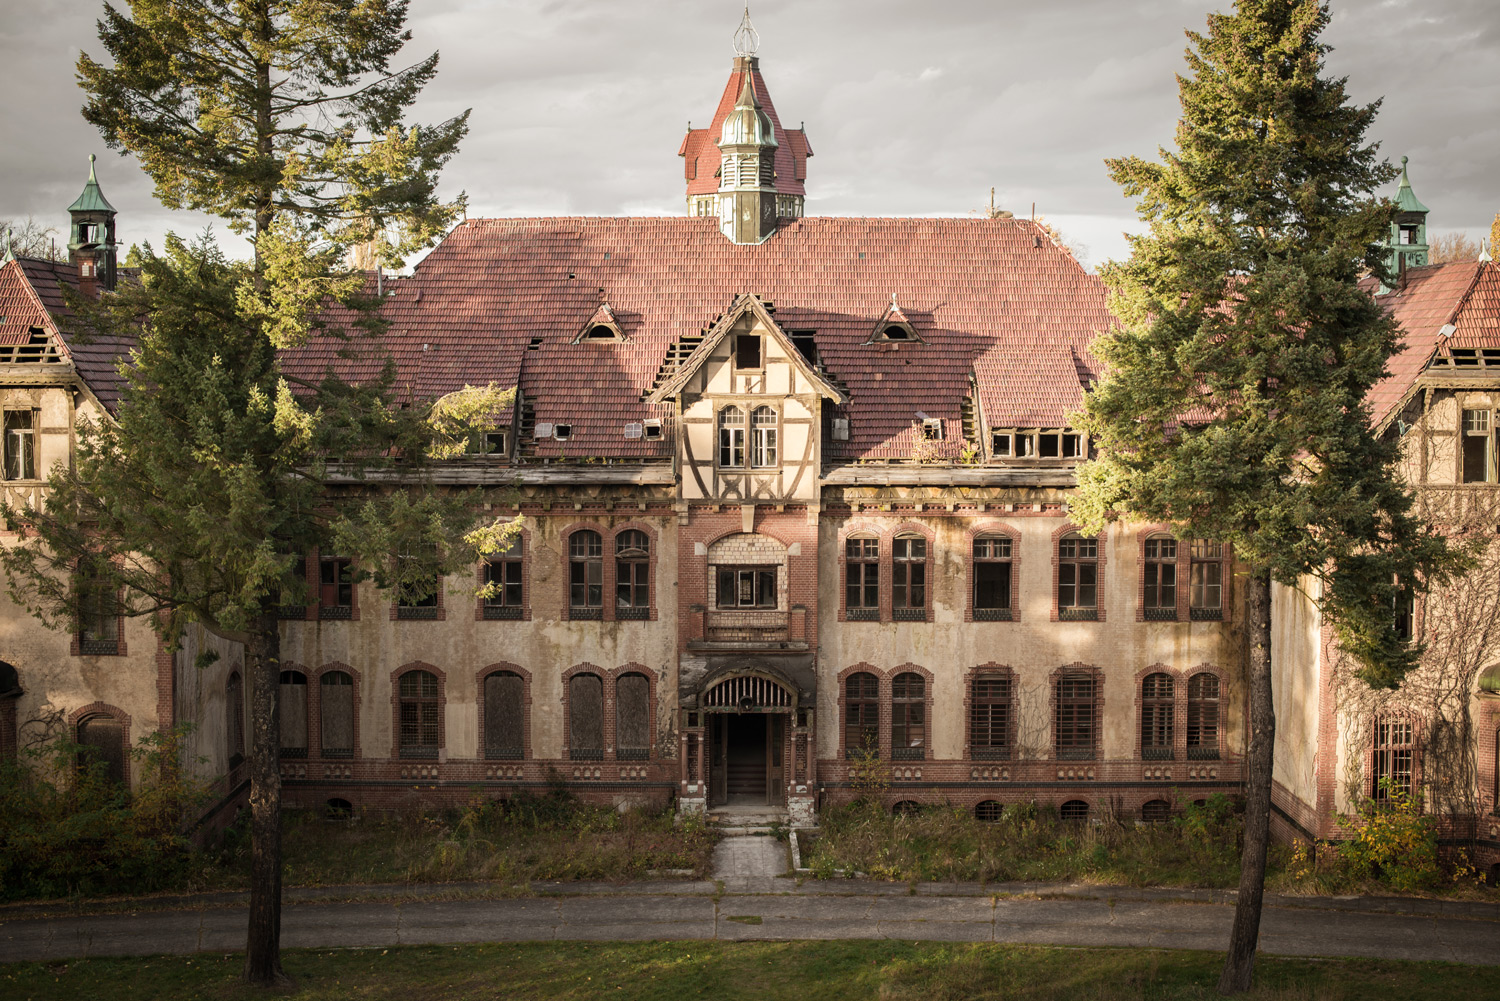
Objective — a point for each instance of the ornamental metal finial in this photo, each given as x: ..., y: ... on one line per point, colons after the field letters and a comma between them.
x: 9, y: 254
x: 746, y: 38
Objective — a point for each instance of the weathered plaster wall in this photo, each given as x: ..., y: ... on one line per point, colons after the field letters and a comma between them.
x: 1296, y: 671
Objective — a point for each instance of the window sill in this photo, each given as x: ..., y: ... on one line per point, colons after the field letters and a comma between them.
x: 504, y: 754
x: 495, y: 612
x: 417, y: 612
x: 291, y: 613
x: 1203, y: 754
x: 294, y: 752
x: 856, y: 754
x: 632, y: 753
x: 337, y: 752
x: 419, y: 752
x: 908, y: 754
x: 98, y: 648
x: 336, y: 612
x: 1157, y: 754
x: 989, y: 754
x: 1075, y: 755
x: 992, y: 615
x: 909, y: 614
x: 585, y: 754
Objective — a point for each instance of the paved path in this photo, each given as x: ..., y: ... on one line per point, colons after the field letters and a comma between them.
x: 740, y: 863
x: 1093, y: 916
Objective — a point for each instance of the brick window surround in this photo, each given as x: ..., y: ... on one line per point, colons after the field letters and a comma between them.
x: 985, y: 716
x: 1182, y: 610
x: 1157, y: 696
x: 436, y: 751
x: 883, y: 553
x: 295, y: 678
x: 993, y: 530
x: 1394, y: 748
x: 883, y: 703
x: 609, y: 682
x: 78, y: 718
x: 100, y: 646
x: 326, y: 594
x: 1066, y: 709
x: 504, y: 667
x: 520, y: 553
x: 315, y: 696
x: 1188, y: 716
x: 916, y: 545
x: 435, y: 612
x: 610, y: 542
x: 1100, y: 564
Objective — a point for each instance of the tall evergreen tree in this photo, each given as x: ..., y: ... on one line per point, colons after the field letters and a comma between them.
x: 1233, y: 404
x: 285, y: 118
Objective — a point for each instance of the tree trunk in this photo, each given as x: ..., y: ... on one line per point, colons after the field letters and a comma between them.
x: 1239, y: 964
x: 263, y: 941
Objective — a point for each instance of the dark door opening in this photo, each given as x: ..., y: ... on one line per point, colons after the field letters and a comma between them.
x: 746, y: 759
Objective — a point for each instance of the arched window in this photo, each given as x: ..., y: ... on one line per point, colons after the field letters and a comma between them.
x: 1206, y: 580
x: 1203, y: 717
x: 1077, y: 577
x: 909, y: 577
x: 504, y: 716
x: 861, y: 714
x: 632, y: 717
x: 1157, y: 710
x: 419, y: 709
x: 632, y: 574
x: 862, y: 577
x: 101, y: 742
x: 234, y: 717
x: 988, y: 811
x: 1076, y: 722
x: 763, y: 423
x: 293, y: 695
x: 1074, y: 810
x: 908, y: 717
x: 1156, y: 811
x: 906, y: 808
x: 585, y: 574
x: 336, y: 714
x: 1161, y: 578
x: 732, y: 438
x: 585, y: 717
x: 990, y: 718
x: 992, y: 578
x: 98, y: 609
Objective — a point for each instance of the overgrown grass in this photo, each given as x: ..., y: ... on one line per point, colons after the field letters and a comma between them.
x: 829, y: 971
x: 1200, y: 848
x: 547, y: 837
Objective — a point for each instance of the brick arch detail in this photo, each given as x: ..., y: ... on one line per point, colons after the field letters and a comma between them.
x: 442, y: 715
x: 653, y: 555
x: 1217, y: 672
x: 888, y: 704
x: 604, y: 676
x: 1142, y: 534
x: 986, y: 527
x: 612, y: 706
x: 864, y: 527
x: 1179, y: 707
x: 315, y: 684
x: 882, y: 698
x: 93, y: 709
x: 606, y: 571
x: 525, y: 676
x: 1100, y: 589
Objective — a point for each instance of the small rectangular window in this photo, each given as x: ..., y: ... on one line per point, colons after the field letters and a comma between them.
x: 20, y: 444
x: 932, y: 429
x: 1025, y: 446
x: 745, y: 587
x: 562, y: 432
x: 652, y: 430
x: 747, y: 351
x: 1000, y: 444
x: 1478, y: 458
x: 1072, y: 446
x: 1050, y: 445
x: 335, y: 587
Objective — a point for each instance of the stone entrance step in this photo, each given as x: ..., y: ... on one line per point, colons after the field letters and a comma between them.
x: 747, y: 821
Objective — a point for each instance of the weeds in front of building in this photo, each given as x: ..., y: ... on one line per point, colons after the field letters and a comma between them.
x: 1393, y: 848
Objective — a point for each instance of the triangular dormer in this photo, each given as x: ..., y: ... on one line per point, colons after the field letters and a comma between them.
x: 747, y: 312
x: 894, y: 326
x: 603, y: 327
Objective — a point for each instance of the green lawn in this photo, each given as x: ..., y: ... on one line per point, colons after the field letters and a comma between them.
x: 827, y: 971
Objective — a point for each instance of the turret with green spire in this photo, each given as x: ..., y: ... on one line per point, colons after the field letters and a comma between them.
x: 91, y: 243
x: 1409, y: 229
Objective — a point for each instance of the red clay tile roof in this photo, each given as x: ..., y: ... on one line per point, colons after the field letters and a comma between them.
x: 502, y: 300
x: 31, y: 296
x: 1431, y: 297
x: 700, y: 147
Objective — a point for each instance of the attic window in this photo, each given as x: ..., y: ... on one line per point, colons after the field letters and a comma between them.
x: 1000, y: 444
x: 806, y: 344
x: 896, y: 332
x: 562, y: 432
x: 488, y: 443
x: 652, y: 430
x: 747, y: 351
x: 1037, y: 443
x: 841, y: 429
x: 599, y: 332
x: 932, y: 429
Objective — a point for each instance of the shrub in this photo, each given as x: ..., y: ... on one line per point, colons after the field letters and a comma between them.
x: 1393, y: 842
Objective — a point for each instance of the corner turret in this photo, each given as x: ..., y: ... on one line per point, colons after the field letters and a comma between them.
x: 1408, y: 246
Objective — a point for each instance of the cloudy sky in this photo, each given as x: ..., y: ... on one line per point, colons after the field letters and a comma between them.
x: 911, y: 108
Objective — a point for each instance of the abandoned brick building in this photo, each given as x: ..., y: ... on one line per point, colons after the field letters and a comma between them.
x: 793, y: 488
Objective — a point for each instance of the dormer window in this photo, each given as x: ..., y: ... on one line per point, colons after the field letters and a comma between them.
x: 932, y: 429
x: 747, y: 352
x: 599, y: 332
x: 602, y: 327
x: 1037, y: 443
x: 896, y: 332
x: 488, y: 443
x: 562, y: 432
x: 651, y: 430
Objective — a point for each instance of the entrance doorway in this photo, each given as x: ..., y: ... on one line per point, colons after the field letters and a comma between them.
x: 747, y: 753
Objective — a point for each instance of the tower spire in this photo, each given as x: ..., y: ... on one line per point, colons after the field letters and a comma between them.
x: 746, y: 38
x: 1408, y: 243
x: 91, y: 244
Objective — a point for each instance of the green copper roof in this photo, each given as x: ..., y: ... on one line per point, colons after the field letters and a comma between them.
x: 1406, y: 198
x: 92, y: 199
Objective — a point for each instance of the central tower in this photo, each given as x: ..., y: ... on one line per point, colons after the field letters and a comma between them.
x: 744, y: 169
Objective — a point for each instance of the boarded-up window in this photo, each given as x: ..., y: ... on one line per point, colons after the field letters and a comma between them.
x: 293, y: 695
x: 586, y: 717
x: 504, y: 736
x: 336, y: 707
x: 633, y: 716
x: 419, y: 710
x: 234, y: 717
x: 102, y: 746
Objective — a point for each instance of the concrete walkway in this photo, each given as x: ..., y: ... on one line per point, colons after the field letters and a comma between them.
x: 743, y: 863
x: 778, y: 909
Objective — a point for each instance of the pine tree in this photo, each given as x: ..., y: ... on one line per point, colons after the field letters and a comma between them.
x: 1233, y: 404
x: 285, y: 118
